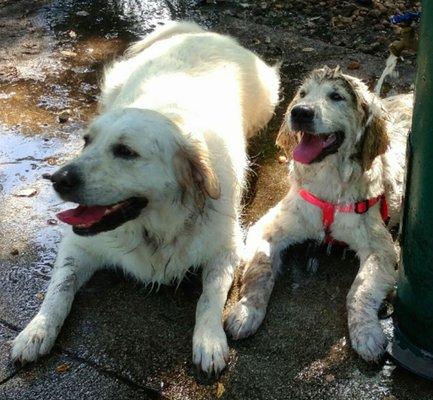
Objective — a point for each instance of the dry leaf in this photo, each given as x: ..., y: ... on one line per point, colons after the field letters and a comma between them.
x: 40, y: 296
x: 63, y: 368
x: 354, y: 65
x: 220, y: 390
x: 26, y: 192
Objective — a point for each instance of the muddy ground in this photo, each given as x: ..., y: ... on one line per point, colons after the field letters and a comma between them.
x: 122, y: 341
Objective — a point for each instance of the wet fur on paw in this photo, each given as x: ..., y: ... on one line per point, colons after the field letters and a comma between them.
x: 243, y: 320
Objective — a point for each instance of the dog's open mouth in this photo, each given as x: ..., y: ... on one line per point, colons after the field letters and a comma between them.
x: 314, y: 147
x: 91, y: 220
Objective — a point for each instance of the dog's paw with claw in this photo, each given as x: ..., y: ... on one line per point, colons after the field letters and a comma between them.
x: 243, y: 320
x: 210, y: 350
x: 35, y: 340
x: 368, y: 340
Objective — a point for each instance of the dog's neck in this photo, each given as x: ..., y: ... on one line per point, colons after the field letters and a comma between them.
x: 157, y: 238
x: 338, y: 181
x: 168, y: 223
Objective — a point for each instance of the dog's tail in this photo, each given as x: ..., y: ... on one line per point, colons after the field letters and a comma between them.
x: 170, y: 29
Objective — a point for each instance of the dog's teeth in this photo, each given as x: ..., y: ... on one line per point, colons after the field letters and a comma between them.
x: 331, y: 138
x: 113, y: 208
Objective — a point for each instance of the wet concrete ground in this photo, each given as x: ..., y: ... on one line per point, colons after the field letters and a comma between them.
x: 122, y: 341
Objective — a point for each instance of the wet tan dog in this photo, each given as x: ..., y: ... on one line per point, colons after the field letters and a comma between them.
x: 348, y: 150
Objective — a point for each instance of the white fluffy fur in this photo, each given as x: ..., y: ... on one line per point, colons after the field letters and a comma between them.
x: 185, y: 100
x: 338, y: 178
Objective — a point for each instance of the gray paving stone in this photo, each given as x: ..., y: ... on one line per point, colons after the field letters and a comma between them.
x: 62, y: 378
x: 20, y: 291
x: 6, y: 369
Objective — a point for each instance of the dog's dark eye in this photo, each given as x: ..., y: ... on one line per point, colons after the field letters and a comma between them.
x: 123, y: 151
x: 302, y: 94
x: 335, y: 96
x: 86, y: 140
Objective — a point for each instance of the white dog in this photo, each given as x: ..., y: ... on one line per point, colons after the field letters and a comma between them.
x: 159, y: 181
x: 346, y: 177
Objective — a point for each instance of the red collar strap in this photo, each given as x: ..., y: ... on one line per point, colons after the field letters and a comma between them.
x: 329, y: 210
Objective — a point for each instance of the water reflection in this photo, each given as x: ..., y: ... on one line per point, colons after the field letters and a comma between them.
x: 126, y: 19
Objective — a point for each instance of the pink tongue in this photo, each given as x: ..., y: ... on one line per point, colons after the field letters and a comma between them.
x: 82, y: 215
x: 309, y: 148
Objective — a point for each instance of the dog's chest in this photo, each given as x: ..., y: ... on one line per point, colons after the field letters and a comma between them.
x: 162, y: 266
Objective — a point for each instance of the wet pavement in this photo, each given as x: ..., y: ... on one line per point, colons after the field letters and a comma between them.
x: 121, y: 340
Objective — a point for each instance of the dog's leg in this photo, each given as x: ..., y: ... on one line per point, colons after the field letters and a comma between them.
x: 274, y: 232
x: 210, y: 349
x: 376, y: 277
x: 72, y: 269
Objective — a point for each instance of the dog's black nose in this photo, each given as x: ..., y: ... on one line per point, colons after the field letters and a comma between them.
x: 302, y: 114
x: 66, y: 179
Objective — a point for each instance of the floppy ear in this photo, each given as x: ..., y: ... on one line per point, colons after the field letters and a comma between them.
x: 286, y: 140
x: 375, y: 140
x: 194, y: 172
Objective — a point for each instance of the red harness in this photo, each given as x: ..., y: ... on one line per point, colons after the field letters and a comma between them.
x: 329, y: 209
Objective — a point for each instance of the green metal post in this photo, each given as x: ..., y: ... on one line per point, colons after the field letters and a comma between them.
x: 413, y: 322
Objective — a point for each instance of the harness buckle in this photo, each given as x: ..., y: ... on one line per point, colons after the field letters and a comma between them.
x: 361, y: 207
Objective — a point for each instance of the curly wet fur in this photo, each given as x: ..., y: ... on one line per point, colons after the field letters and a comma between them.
x: 369, y: 162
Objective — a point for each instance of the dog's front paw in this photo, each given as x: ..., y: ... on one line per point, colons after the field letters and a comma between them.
x: 368, y: 340
x: 35, y: 340
x: 243, y: 320
x: 210, y: 350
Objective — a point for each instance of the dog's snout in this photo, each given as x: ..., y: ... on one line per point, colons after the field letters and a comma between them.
x: 66, y: 179
x: 302, y: 114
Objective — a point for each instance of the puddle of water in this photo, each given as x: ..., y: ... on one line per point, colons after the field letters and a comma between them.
x: 126, y: 19
x: 33, y: 107
x: 56, y: 63
x: 23, y: 159
x: 29, y: 205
